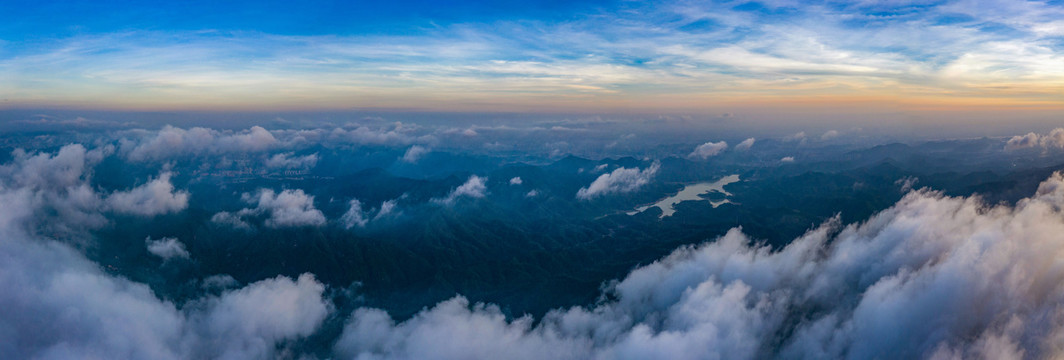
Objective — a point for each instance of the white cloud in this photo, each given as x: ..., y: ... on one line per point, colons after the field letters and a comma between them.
x: 63, y: 198
x: 388, y: 208
x: 830, y: 134
x: 532, y: 193
x: 906, y: 183
x: 452, y: 331
x: 247, y: 322
x: 1053, y: 140
x: 397, y: 134
x: 468, y: 132
x: 69, y: 167
x: 154, y: 198
x: 745, y: 145
x: 473, y: 188
x: 621, y: 180
x: 219, y: 282
x: 516, y: 180
x: 234, y: 220
x: 414, y: 153
x: 1020, y: 142
x: 930, y: 276
x: 58, y: 304
x: 708, y: 149
x: 809, y: 47
x: 354, y: 215
x: 787, y: 159
x: 166, y: 248
x: 289, y: 161
x: 170, y: 142
x: 289, y: 208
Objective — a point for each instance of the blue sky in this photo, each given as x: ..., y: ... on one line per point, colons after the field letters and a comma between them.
x: 36, y: 19
x: 674, y: 56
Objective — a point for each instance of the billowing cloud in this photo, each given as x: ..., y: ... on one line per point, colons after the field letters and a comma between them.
x: 69, y: 167
x: 397, y: 134
x: 57, y: 304
x: 60, y: 306
x: 234, y: 220
x: 414, y: 153
x: 289, y: 208
x: 1020, y: 142
x: 172, y: 141
x: 1053, y: 140
x: 830, y: 134
x: 452, y: 330
x: 931, y: 277
x: 154, y: 198
x: 166, y: 248
x: 787, y: 159
x: 708, y: 149
x: 354, y: 215
x: 621, y: 180
x: 516, y: 180
x: 388, y: 208
x: 473, y: 188
x: 59, y: 185
x: 745, y: 145
x: 247, y: 323
x: 289, y: 161
x: 906, y: 184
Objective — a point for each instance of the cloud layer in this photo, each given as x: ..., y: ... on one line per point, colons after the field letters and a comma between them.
x: 672, y: 53
x: 621, y: 180
x: 172, y: 141
x: 1053, y: 140
x: 60, y: 305
x: 708, y: 149
x: 474, y: 188
x: 931, y: 277
x: 166, y: 248
x: 154, y: 198
x: 289, y: 208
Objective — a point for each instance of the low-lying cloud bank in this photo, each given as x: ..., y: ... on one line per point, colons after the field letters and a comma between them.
x: 172, y: 141
x: 289, y: 208
x: 745, y: 145
x: 57, y: 304
x: 931, y: 277
x: 156, y: 197
x: 622, y: 180
x: 1053, y: 140
x: 474, y: 188
x: 707, y: 150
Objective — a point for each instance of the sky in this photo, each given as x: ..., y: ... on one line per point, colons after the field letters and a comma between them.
x: 949, y: 62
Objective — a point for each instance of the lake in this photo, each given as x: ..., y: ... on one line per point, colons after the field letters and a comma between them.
x: 691, y: 193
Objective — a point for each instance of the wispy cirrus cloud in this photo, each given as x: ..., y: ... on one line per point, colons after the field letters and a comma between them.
x: 719, y: 51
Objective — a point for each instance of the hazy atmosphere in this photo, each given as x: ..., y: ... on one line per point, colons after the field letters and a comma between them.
x: 532, y: 180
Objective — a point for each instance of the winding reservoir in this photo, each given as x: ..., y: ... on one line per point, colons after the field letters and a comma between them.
x: 690, y: 193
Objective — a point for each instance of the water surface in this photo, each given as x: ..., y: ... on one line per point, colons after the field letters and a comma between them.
x: 690, y: 193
